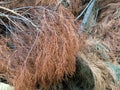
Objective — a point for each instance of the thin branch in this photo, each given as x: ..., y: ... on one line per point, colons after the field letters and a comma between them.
x: 83, y: 10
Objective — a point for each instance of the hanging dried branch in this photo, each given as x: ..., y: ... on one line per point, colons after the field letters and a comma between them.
x: 44, y: 56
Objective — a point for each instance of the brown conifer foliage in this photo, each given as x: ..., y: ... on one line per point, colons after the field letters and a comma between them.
x: 43, y: 56
x: 53, y: 55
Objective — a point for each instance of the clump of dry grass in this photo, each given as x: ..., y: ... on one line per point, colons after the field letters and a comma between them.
x: 108, y: 34
x: 108, y: 12
x: 104, y: 76
x: 107, y: 29
x: 42, y: 53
